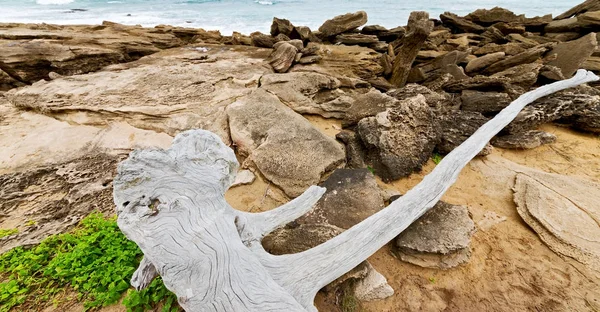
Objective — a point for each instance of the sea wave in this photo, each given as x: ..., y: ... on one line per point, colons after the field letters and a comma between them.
x: 47, y: 2
x: 264, y: 2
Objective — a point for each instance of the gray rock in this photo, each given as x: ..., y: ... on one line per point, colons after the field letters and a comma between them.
x: 367, y: 105
x: 436, y: 100
x: 243, y: 177
x: 457, y: 127
x: 352, y: 195
x: 401, y: 139
x: 282, y: 144
x: 282, y: 57
x: 482, y: 62
x: 298, y: 238
x: 571, y: 55
x: 356, y: 39
x: 343, y: 23
x: 379, y: 46
x: 373, y: 286
x: 525, y: 140
x: 439, y: 239
x: 282, y: 37
x: 355, y: 150
x: 484, y: 102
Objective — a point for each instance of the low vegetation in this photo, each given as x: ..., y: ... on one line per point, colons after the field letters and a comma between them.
x: 95, y: 260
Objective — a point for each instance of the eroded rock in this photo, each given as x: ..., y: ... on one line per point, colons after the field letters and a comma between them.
x: 525, y: 140
x: 343, y: 23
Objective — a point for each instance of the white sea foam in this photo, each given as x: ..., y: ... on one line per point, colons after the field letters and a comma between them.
x: 47, y: 2
x: 263, y: 2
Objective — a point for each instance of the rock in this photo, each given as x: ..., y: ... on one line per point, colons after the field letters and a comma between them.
x: 346, y: 61
x: 282, y: 37
x: 585, y: 118
x: 135, y: 93
x: 460, y: 24
x: 536, y: 24
x: 400, y: 140
x: 261, y: 40
x: 480, y: 83
x: 380, y: 84
x: 53, y: 75
x: 297, y: 43
x: 310, y: 49
x: 563, y: 211
x: 373, y: 30
x: 392, y: 34
x: 419, y: 27
x: 525, y: 140
x: 282, y: 144
x: 510, y: 28
x: 357, y: 39
x: 379, y: 46
x: 562, y: 37
x: 564, y: 25
x: 484, y: 102
x: 355, y: 150
x: 310, y: 59
x: 559, y: 105
x: 367, y: 105
x: 343, y: 23
x: 373, y: 287
x: 525, y: 42
x: 493, y: 34
x: 437, y: 67
x: 586, y: 6
x: 305, y: 34
x: 352, y: 195
x: 281, y: 26
x: 495, y: 15
x: 589, y: 20
x: 484, y: 61
x: 524, y: 75
x: 282, y: 57
x: 429, y: 54
x: 457, y: 127
x: 439, y: 239
x: 243, y: 177
x: 436, y: 100
x: 529, y: 56
x: 510, y: 48
x: 552, y: 72
x: 240, y: 39
x: 571, y: 55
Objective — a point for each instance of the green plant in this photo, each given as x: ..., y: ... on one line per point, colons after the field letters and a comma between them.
x: 437, y: 158
x: 95, y: 259
x: 8, y: 232
x: 371, y: 169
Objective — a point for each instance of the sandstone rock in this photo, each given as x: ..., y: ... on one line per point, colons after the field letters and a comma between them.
x: 510, y: 28
x: 563, y: 211
x: 552, y: 73
x: 392, y: 34
x: 585, y: 118
x: 484, y: 61
x: 526, y: 140
x: 352, y: 195
x: 438, y: 101
x: 563, y: 25
x: 495, y: 15
x: 525, y: 42
x: 589, y: 20
x: 461, y: 24
x: 281, y: 26
x: 310, y: 49
x: 357, y: 39
x: 310, y: 59
x: 346, y: 61
x: 282, y: 37
x: 305, y: 34
x: 136, y: 93
x: 589, y: 5
x: 400, y: 140
x: 571, y: 55
x: 562, y: 37
x: 261, y: 40
x: 379, y: 46
x: 283, y: 145
x: 529, y: 56
x: 439, y: 239
x: 282, y: 57
x: 484, y: 102
x: 480, y: 83
x: 380, y: 84
x: 355, y: 150
x: 436, y: 67
x: 373, y: 30
x: 240, y: 39
x: 367, y: 105
x: 511, y: 48
x: 493, y: 34
x: 343, y: 23
x: 243, y: 177
x: 373, y: 286
x: 524, y: 75
x: 457, y: 127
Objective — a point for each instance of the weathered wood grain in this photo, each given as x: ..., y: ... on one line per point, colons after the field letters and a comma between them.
x: 171, y: 203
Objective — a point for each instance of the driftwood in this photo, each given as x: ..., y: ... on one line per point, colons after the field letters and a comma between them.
x: 171, y: 203
x: 418, y: 28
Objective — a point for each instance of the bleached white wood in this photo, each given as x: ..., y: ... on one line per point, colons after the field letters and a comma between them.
x: 143, y: 276
x: 171, y: 203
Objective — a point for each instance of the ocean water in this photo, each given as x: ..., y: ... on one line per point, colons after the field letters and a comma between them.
x: 247, y: 16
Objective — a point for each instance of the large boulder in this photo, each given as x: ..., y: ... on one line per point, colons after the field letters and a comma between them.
x: 571, y: 55
x: 343, y: 23
x: 282, y: 57
x: 281, y: 26
x: 439, y: 239
x: 280, y: 143
x: 401, y: 139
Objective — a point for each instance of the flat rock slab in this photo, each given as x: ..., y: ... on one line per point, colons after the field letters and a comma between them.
x: 343, y: 23
x: 163, y: 92
x: 571, y: 55
x: 352, y: 195
x: 440, y: 238
x: 525, y: 140
x: 282, y: 144
x: 564, y: 211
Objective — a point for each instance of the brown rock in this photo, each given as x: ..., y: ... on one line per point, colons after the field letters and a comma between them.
x: 305, y: 34
x: 564, y: 25
x: 529, y: 56
x: 261, y: 40
x: 484, y: 102
x: 571, y: 55
x: 562, y: 37
x: 526, y: 140
x: 587, y: 6
x: 592, y: 63
x: 509, y: 49
x: 510, y: 28
x: 392, y: 34
x: 484, y: 61
x: 493, y: 34
x: 524, y: 75
x: 459, y: 23
x: 552, y: 73
x: 488, y: 17
x: 357, y: 39
x: 589, y: 20
x: 373, y: 30
x: 310, y: 49
x: 281, y: 26
x: 480, y: 83
x: 343, y: 23
x: 457, y: 127
x: 310, y: 59
x: 282, y: 57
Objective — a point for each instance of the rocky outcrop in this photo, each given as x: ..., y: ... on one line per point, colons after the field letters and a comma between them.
x: 401, y: 139
x: 267, y: 132
x: 343, y: 23
x: 525, y: 140
x: 439, y: 239
x: 457, y: 127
